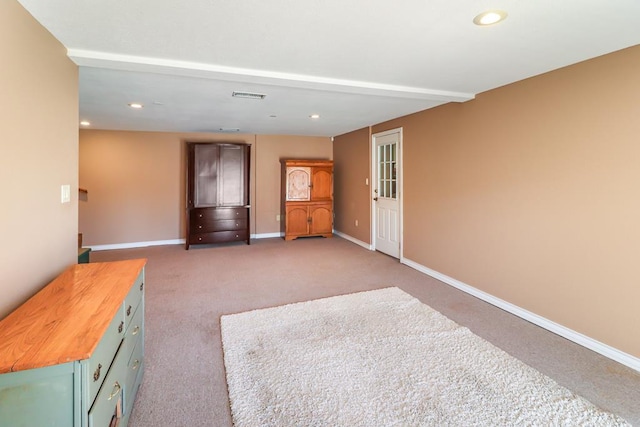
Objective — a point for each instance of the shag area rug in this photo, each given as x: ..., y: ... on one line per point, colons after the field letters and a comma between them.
x: 382, y: 358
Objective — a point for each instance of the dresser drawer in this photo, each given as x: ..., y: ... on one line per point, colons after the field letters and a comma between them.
x: 100, y: 362
x: 111, y: 395
x: 132, y: 301
x: 219, y: 237
x: 134, y: 365
x: 134, y: 333
x: 214, y: 214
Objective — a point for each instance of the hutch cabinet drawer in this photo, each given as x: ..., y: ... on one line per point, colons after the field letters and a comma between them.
x: 100, y: 362
x: 220, y: 237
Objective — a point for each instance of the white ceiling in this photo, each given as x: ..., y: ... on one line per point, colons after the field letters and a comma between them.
x: 355, y: 63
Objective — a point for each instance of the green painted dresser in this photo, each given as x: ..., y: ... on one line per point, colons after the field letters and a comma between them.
x: 72, y: 355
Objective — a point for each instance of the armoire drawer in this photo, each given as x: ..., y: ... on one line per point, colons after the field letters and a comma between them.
x: 219, y: 237
x: 214, y: 214
x: 220, y: 225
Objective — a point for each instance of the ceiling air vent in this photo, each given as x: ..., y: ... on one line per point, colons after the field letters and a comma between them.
x: 250, y: 95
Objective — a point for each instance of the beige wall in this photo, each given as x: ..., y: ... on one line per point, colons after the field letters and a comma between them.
x: 352, y: 194
x: 39, y: 134
x: 136, y: 182
x: 530, y: 193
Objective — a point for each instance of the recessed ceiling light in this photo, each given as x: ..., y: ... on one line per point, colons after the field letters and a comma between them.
x: 85, y: 123
x: 490, y: 17
x: 136, y: 105
x: 314, y: 116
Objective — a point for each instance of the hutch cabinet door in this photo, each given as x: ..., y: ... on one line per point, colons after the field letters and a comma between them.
x: 321, y: 184
x: 298, y: 183
x: 297, y: 220
x: 321, y: 221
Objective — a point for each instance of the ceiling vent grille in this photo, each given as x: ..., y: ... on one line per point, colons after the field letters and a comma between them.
x: 250, y: 95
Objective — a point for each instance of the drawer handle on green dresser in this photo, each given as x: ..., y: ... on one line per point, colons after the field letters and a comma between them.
x: 96, y: 374
x: 128, y: 310
x: 135, y: 330
x: 136, y: 363
x: 120, y: 327
x: 116, y: 390
x: 141, y: 285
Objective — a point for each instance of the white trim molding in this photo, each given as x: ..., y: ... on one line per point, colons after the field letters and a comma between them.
x: 578, y: 338
x: 136, y: 244
x: 267, y: 235
x: 353, y: 240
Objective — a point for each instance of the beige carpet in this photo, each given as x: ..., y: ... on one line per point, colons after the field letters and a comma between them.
x: 382, y: 358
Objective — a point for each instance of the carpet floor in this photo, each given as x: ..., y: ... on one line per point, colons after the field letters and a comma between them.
x: 382, y: 358
x: 188, y: 291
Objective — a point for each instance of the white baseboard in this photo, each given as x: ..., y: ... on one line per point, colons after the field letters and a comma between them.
x: 136, y: 244
x: 353, y: 240
x: 578, y: 338
x: 266, y: 235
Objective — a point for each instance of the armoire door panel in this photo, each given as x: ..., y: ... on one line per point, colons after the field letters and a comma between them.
x: 232, y: 181
x: 206, y: 175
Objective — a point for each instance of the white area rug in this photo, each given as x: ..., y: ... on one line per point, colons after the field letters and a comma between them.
x: 382, y: 358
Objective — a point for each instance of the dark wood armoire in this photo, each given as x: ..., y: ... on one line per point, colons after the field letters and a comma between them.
x: 217, y: 192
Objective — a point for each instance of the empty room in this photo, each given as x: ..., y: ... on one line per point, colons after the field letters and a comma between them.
x: 287, y: 213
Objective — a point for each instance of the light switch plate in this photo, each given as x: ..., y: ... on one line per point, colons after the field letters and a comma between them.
x: 65, y: 193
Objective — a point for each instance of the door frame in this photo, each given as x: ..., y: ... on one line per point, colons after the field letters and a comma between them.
x: 399, y: 188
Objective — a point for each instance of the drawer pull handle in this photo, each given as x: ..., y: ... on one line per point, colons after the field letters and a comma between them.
x: 200, y: 216
x: 96, y: 374
x: 116, y: 390
x: 135, y: 330
x: 199, y: 226
x: 237, y: 235
x: 237, y: 225
x: 129, y: 311
x: 141, y: 285
x: 120, y: 327
x: 200, y: 238
x: 136, y: 363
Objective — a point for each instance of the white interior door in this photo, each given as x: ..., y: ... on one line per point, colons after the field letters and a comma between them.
x: 386, y: 192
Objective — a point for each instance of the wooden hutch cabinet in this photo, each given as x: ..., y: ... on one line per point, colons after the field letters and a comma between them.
x: 217, y: 192
x: 308, y: 198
